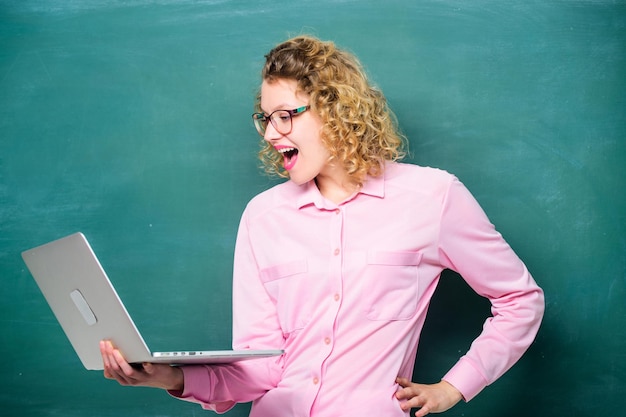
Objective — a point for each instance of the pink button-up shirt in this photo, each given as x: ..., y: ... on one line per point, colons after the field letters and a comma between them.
x: 344, y: 290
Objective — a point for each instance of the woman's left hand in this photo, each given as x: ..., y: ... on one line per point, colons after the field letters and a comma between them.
x: 429, y: 398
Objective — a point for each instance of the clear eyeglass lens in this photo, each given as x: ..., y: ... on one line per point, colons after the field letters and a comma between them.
x: 260, y: 123
x: 281, y: 120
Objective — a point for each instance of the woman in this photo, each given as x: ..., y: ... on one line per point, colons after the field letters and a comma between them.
x: 337, y: 265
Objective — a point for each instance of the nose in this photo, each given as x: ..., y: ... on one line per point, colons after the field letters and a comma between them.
x: 271, y: 133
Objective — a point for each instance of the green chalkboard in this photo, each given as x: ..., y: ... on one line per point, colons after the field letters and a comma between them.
x: 130, y: 121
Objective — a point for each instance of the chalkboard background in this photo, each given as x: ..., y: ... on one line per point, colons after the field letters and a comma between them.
x: 129, y: 121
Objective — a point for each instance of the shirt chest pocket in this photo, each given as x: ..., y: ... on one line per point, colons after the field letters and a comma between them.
x: 390, y: 285
x: 286, y: 285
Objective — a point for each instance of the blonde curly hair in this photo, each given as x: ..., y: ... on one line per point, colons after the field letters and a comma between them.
x: 359, y: 130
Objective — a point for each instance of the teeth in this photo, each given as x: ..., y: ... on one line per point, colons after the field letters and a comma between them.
x: 284, y: 150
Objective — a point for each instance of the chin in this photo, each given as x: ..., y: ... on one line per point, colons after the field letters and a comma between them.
x: 295, y: 181
x: 299, y: 180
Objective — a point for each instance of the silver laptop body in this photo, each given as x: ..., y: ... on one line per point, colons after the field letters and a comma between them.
x: 89, y: 310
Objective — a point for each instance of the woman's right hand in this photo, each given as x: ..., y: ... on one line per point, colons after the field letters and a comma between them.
x: 148, y: 375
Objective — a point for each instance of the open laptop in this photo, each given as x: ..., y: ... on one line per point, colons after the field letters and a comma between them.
x: 89, y: 309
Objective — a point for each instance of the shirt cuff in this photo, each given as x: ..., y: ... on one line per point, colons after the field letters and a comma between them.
x: 198, y: 387
x: 466, y: 378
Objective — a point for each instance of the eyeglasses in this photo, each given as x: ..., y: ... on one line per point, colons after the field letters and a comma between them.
x: 281, y: 120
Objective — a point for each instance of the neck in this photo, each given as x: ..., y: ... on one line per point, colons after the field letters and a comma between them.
x: 336, y: 190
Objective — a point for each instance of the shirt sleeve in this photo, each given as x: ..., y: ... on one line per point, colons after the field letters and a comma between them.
x: 255, y: 326
x: 470, y: 245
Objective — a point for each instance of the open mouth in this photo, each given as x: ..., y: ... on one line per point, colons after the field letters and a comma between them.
x: 290, y: 156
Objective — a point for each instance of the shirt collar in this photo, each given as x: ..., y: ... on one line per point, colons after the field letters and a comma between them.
x: 374, y: 186
x: 309, y: 193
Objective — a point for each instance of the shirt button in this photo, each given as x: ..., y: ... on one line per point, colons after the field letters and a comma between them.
x: 316, y: 380
x: 336, y: 252
x: 327, y: 340
x: 336, y: 297
x: 337, y: 211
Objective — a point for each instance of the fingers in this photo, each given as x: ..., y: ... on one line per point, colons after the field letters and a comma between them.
x: 121, y: 364
x: 429, y: 398
x: 105, y: 359
x: 148, y: 368
x: 408, y: 391
x: 116, y: 367
x: 407, y: 394
x: 413, y: 399
x: 145, y: 374
x: 414, y: 395
x: 422, y: 411
x: 403, y: 382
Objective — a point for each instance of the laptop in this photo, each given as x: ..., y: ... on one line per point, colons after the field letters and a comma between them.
x: 89, y: 310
